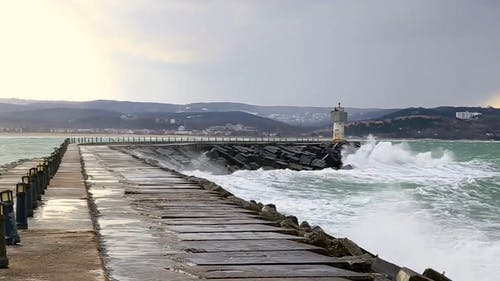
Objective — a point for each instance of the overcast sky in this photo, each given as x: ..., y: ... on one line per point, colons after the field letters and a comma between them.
x: 268, y: 52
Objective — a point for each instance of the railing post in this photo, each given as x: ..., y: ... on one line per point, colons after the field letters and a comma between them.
x: 4, y: 261
x: 34, y: 182
x: 11, y: 235
x: 21, y: 206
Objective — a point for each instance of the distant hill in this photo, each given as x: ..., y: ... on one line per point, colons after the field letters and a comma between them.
x: 306, y: 116
x: 439, y: 122
x: 34, y: 120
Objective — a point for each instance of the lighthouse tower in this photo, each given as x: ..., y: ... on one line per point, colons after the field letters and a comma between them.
x: 339, y: 117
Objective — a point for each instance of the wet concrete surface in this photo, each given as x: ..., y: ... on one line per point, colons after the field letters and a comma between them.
x: 155, y: 225
x: 60, y: 243
x: 133, y: 245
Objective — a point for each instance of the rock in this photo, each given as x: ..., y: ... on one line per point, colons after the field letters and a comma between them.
x: 253, y: 165
x: 296, y: 167
x: 384, y: 267
x: 318, y: 237
x: 406, y: 274
x: 434, y: 275
x: 306, y: 160
x: 305, y: 226
x: 269, y: 212
x: 343, y: 247
x: 256, y: 206
x: 272, y: 149
x: 318, y: 163
x: 347, y: 167
x: 290, y: 222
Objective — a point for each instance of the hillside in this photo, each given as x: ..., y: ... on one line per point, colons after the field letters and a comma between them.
x: 439, y: 122
x: 306, y: 116
x: 76, y: 118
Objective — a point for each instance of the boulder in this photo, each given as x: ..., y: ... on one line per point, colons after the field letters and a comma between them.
x: 272, y: 149
x: 406, y: 274
x: 318, y: 164
x: 290, y: 222
x: 305, y: 226
x: 306, y: 160
x: 347, y: 167
x: 434, y: 275
x: 343, y: 247
x: 269, y: 212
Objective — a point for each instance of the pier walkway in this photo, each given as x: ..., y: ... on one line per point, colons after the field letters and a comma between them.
x: 156, y: 225
x: 60, y: 243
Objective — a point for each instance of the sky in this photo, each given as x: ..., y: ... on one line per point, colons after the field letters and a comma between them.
x: 274, y: 52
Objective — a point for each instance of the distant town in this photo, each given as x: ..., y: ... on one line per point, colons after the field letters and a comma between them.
x: 236, y: 119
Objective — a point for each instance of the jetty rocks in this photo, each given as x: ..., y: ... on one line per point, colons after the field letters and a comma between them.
x: 230, y: 157
x: 294, y: 157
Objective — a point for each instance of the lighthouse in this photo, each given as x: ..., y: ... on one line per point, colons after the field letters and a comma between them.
x: 339, y: 117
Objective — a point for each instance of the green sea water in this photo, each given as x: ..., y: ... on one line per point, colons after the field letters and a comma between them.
x: 13, y: 148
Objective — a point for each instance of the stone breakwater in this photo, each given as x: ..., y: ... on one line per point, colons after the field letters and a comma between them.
x: 294, y: 157
x: 353, y: 256
x: 227, y: 158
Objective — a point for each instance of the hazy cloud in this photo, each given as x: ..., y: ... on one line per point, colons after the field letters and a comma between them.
x: 300, y: 52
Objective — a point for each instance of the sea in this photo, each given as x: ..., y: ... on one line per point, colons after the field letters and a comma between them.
x: 15, y: 148
x: 418, y: 204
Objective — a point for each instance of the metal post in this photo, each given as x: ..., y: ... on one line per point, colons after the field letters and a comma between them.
x: 40, y: 179
x: 21, y: 206
x: 30, y: 199
x: 34, y: 183
x: 4, y: 261
x: 11, y: 235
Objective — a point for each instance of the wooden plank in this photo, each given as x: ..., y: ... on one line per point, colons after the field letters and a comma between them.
x: 285, y: 279
x: 189, y: 204
x: 173, y: 191
x: 227, y: 228
x: 275, y: 271
x: 246, y: 245
x: 168, y: 198
x: 204, y: 208
x: 168, y: 185
x: 258, y: 257
x: 171, y: 187
x: 278, y: 257
x: 236, y: 236
x: 236, y: 215
x: 210, y: 221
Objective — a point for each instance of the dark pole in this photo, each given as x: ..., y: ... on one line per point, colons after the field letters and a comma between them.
x: 4, y: 261
x: 21, y: 206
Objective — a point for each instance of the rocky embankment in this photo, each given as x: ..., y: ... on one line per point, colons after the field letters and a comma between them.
x: 294, y: 157
x: 227, y: 158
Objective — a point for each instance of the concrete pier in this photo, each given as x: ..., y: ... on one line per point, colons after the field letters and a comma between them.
x: 60, y: 243
x: 156, y: 225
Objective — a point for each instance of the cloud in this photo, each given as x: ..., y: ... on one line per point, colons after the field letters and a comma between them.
x: 386, y: 53
x: 150, y: 50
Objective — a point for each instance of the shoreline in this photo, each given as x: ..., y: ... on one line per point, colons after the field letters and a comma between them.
x: 103, y: 135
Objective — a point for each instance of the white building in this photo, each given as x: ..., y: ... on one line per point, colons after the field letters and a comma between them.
x: 466, y: 115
